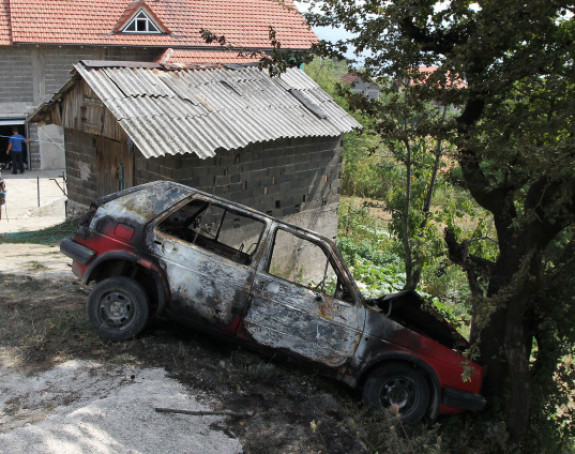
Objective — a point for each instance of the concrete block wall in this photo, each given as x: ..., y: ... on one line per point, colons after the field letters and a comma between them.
x: 16, y: 79
x: 296, y: 180
x: 16, y: 86
x: 29, y: 75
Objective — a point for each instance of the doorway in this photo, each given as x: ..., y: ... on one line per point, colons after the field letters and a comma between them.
x: 6, y: 126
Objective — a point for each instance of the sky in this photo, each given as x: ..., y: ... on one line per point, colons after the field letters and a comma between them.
x: 328, y: 33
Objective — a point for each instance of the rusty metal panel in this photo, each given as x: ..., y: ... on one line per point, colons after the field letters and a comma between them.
x: 290, y: 317
x: 142, y: 205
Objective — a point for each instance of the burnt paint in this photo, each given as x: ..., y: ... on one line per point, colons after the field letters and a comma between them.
x: 293, y: 318
x: 275, y: 314
x: 145, y: 201
x: 417, y: 314
x: 386, y: 339
x: 201, y: 283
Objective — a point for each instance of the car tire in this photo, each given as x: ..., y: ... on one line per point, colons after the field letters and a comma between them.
x: 118, y: 308
x: 398, y: 387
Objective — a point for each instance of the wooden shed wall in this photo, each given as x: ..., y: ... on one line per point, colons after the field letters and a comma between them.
x: 95, y: 166
x: 83, y: 111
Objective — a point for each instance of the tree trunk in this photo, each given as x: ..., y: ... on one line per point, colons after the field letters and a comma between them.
x: 505, y: 352
x: 517, y: 357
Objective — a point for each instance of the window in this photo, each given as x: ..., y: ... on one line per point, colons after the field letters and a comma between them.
x: 215, y: 228
x: 141, y: 23
x: 303, y: 262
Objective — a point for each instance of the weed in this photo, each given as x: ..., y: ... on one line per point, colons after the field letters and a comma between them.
x: 263, y: 372
x: 35, y: 266
x: 50, y: 235
x: 384, y: 433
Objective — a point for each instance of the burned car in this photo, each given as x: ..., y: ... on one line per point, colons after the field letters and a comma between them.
x: 165, y: 250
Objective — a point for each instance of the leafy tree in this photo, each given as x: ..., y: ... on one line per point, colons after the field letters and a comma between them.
x: 397, y: 158
x: 514, y: 144
x: 410, y: 131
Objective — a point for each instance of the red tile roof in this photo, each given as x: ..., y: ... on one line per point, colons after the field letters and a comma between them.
x: 427, y: 71
x: 5, y: 23
x: 349, y: 78
x: 244, y: 23
x: 132, y: 8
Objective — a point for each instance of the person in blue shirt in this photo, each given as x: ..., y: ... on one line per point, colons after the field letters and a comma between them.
x: 15, y: 145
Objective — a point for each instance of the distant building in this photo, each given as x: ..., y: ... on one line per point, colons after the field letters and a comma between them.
x: 365, y: 88
x: 423, y: 73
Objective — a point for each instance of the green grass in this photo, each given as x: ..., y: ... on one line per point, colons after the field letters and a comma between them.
x: 50, y: 236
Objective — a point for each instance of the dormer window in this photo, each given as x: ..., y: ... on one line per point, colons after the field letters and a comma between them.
x: 141, y: 23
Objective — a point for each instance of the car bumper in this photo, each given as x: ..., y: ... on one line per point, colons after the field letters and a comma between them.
x: 463, y: 399
x: 77, y: 252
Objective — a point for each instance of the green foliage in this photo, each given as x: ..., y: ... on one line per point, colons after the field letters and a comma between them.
x: 507, y: 68
x: 365, y: 173
x: 362, y: 174
x: 50, y: 235
x: 327, y: 73
x: 376, y: 277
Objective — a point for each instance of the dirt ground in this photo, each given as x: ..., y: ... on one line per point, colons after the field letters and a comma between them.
x: 34, y: 200
x: 64, y: 390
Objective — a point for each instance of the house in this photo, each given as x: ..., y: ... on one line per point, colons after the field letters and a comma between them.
x: 274, y: 144
x: 425, y: 74
x: 365, y: 88
x: 40, y: 41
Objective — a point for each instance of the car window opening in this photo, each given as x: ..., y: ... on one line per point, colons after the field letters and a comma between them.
x: 210, y: 226
x: 305, y: 263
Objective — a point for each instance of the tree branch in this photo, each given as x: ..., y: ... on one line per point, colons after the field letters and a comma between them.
x: 438, y: 43
x: 474, y: 266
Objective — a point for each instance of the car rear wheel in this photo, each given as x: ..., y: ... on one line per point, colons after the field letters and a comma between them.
x: 400, y: 388
x: 118, y: 308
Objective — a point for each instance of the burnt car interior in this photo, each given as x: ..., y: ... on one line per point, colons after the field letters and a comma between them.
x: 305, y: 263
x: 215, y: 228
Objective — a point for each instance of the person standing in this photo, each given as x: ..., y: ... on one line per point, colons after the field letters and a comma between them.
x: 15, y: 146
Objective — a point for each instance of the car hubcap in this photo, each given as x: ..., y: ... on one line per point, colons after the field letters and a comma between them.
x: 397, y: 393
x: 117, y: 310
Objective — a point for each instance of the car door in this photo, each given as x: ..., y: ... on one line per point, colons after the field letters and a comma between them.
x: 301, y: 303
x: 207, y: 252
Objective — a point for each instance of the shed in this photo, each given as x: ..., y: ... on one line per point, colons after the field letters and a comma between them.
x: 274, y: 144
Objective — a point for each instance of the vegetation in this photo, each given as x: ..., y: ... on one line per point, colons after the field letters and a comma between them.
x: 506, y: 70
x: 50, y: 235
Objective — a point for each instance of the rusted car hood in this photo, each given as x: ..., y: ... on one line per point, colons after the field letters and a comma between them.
x: 410, y: 310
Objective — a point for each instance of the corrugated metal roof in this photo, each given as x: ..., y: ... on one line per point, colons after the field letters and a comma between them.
x: 169, y: 112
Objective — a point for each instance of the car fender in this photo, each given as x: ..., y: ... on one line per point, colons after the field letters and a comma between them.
x: 160, y: 281
x: 420, y: 364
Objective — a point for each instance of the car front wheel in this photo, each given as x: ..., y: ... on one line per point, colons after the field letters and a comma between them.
x: 399, y: 388
x: 118, y: 308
